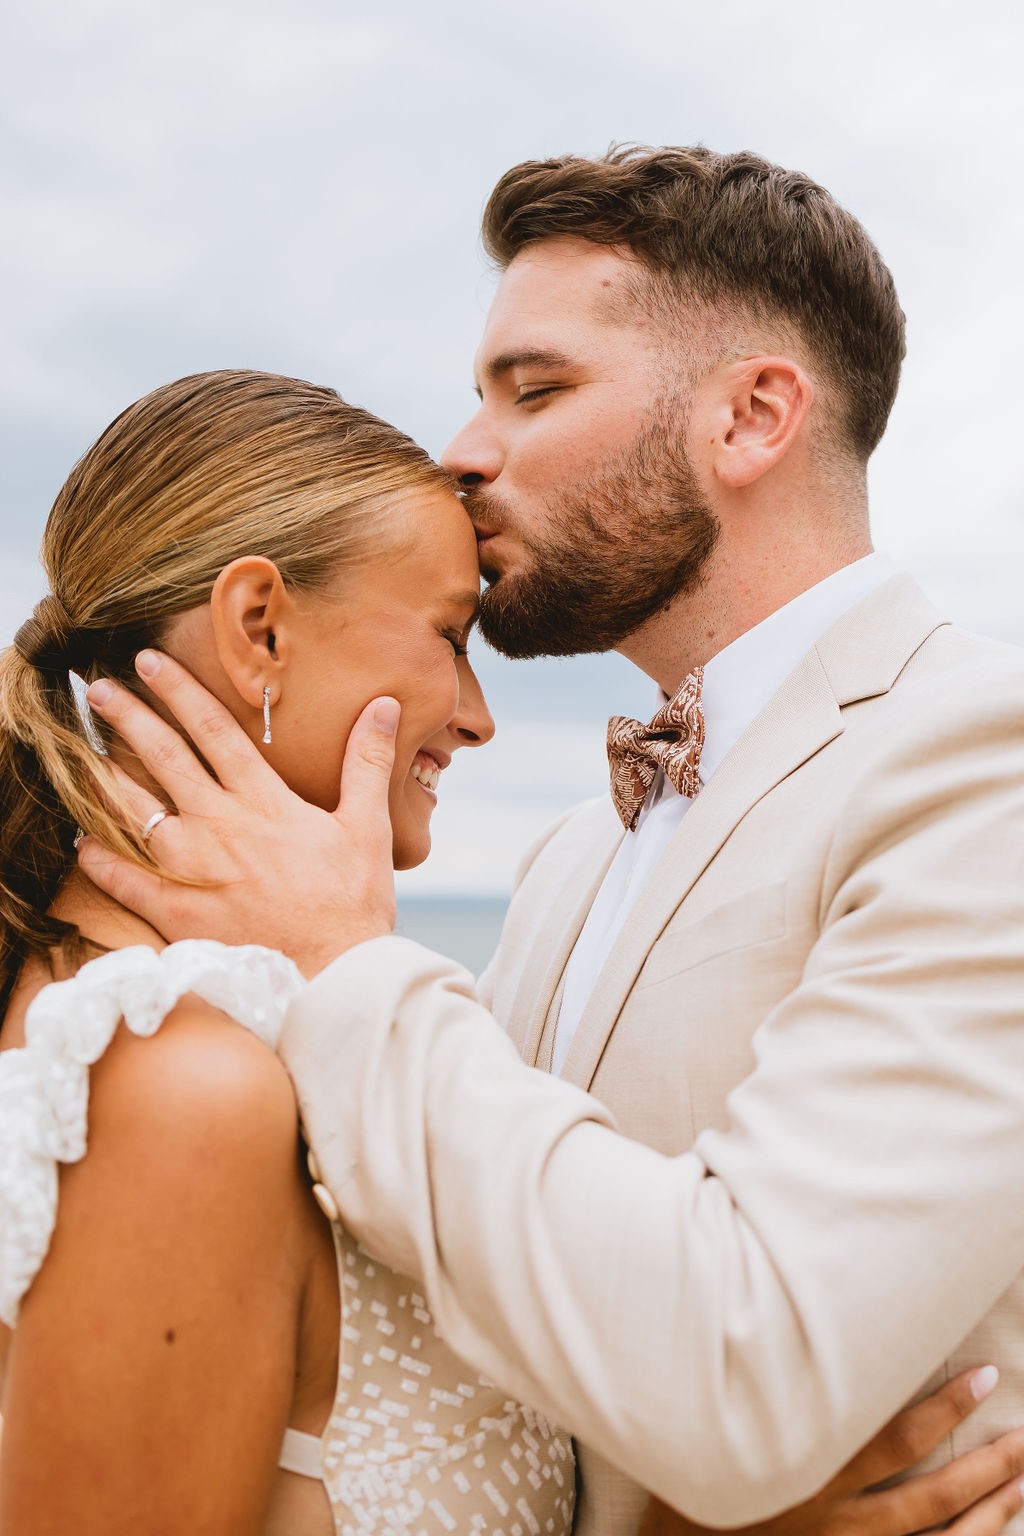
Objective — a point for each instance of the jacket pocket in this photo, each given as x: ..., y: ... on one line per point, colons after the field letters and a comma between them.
x: 756, y: 917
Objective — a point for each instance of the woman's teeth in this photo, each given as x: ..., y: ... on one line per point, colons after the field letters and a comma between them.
x: 426, y: 775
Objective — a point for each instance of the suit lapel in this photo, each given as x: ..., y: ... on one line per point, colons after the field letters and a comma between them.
x: 861, y: 656
x: 565, y: 913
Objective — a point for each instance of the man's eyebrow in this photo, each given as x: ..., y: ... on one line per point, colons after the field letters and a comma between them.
x: 524, y: 357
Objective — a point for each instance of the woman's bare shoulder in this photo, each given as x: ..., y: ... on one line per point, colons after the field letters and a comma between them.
x: 201, y: 1091
x: 191, y: 1160
x: 203, y: 1096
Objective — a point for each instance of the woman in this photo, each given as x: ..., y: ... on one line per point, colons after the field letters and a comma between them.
x: 302, y: 557
x: 198, y: 1346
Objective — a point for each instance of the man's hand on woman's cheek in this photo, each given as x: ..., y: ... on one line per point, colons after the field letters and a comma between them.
x: 263, y: 866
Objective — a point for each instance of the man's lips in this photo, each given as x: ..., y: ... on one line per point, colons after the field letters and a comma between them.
x: 486, y: 535
x: 480, y: 516
x: 486, y: 538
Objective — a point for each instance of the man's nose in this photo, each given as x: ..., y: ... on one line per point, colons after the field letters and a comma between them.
x: 473, y: 456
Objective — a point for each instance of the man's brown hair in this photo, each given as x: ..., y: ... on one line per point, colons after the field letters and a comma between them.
x: 715, y: 229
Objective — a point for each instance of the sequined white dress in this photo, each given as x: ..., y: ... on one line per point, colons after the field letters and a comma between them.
x: 416, y: 1442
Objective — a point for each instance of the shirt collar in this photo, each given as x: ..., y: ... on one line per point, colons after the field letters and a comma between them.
x: 741, y: 679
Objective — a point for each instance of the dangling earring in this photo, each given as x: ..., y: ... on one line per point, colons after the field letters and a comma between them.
x: 267, y: 738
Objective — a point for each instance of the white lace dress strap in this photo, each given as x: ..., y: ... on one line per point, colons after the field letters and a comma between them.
x: 44, y: 1085
x: 302, y: 1453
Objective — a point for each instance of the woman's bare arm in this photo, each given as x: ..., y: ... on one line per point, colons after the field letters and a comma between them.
x: 153, y: 1366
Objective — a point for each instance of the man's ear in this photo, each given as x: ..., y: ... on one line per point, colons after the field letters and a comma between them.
x: 757, y: 412
x: 250, y: 611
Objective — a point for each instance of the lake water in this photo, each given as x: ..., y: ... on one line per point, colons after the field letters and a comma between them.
x: 464, y: 927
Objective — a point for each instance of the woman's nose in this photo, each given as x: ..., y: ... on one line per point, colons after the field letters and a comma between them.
x: 472, y: 722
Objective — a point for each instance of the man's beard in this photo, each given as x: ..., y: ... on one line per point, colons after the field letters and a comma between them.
x: 618, y: 549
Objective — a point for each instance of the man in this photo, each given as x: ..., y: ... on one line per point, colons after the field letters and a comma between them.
x: 808, y: 895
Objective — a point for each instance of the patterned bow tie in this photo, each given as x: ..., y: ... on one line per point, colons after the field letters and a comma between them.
x: 672, y: 741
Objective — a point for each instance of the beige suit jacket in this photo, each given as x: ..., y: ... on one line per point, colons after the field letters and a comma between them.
x: 812, y: 1028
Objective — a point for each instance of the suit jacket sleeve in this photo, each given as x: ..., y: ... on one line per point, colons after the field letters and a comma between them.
x: 727, y: 1326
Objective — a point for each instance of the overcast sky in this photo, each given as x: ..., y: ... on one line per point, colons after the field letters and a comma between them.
x: 297, y: 187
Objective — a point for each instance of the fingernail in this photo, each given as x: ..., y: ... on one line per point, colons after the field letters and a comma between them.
x: 385, y: 716
x: 983, y: 1381
x: 147, y: 663
x: 99, y: 693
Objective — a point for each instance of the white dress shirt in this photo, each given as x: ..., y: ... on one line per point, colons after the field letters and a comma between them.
x: 738, y: 683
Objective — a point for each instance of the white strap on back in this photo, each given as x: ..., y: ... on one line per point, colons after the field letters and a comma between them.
x: 301, y: 1453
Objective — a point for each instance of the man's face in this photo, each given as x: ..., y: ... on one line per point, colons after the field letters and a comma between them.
x: 588, y: 513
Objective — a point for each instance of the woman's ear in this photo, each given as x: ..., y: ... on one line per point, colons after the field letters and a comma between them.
x: 250, y: 611
x: 758, y: 413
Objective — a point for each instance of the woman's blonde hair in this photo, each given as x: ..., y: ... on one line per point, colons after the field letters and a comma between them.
x: 186, y: 480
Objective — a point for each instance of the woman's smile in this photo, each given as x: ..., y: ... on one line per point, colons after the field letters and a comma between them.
x: 426, y: 770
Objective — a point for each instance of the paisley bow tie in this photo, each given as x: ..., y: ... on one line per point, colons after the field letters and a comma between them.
x: 672, y: 741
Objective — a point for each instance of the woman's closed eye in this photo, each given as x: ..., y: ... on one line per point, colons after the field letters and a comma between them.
x: 456, y: 619
x: 458, y: 640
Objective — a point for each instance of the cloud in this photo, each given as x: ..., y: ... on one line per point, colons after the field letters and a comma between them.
x: 299, y: 188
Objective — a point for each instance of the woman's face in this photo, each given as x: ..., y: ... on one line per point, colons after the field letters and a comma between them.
x: 397, y: 625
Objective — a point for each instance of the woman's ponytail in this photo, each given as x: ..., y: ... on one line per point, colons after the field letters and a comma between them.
x: 41, y: 741
x: 53, y: 781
